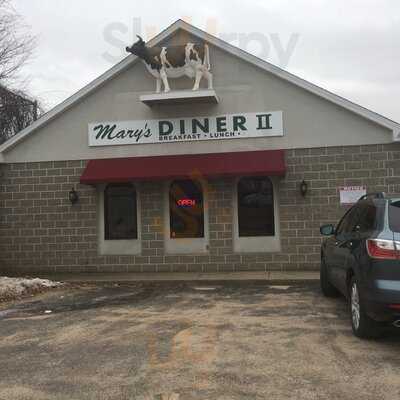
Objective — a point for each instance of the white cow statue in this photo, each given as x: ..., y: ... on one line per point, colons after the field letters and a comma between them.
x: 192, y: 60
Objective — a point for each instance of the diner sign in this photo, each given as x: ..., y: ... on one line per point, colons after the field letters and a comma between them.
x: 166, y: 130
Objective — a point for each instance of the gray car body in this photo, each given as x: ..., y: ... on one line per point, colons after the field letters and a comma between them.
x: 345, y: 255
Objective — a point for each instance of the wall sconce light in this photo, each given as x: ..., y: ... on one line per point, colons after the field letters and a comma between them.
x: 73, y: 196
x: 303, y: 188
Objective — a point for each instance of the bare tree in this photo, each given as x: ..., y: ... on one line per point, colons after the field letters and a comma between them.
x: 16, y: 43
x: 17, y: 109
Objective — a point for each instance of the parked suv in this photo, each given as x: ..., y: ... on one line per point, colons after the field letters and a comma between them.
x: 361, y: 260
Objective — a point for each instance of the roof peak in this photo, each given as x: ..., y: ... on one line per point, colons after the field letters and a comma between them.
x: 219, y: 43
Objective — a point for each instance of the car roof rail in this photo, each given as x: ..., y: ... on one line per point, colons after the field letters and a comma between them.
x: 374, y: 195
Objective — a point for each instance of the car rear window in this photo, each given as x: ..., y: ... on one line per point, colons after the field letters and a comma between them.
x: 394, y: 216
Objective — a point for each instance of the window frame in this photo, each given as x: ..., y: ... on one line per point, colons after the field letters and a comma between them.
x: 256, y: 244
x: 119, y: 246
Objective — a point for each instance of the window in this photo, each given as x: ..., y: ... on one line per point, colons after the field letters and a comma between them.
x: 186, y: 209
x: 120, y: 214
x: 348, y: 222
x: 367, y: 221
x: 255, y: 207
x: 394, y: 216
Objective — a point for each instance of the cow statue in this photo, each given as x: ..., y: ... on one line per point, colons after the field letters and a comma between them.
x: 192, y: 60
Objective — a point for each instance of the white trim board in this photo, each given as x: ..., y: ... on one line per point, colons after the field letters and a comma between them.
x: 180, y: 96
x: 239, y: 53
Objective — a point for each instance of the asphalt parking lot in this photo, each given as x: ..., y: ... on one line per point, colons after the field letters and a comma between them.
x: 190, y: 341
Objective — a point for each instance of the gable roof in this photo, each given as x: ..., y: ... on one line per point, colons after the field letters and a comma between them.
x: 235, y: 51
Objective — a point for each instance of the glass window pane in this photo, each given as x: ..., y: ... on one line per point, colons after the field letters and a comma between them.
x: 348, y: 222
x: 120, y: 214
x: 394, y: 216
x: 256, y: 207
x: 367, y: 218
x: 186, y: 209
x: 342, y: 223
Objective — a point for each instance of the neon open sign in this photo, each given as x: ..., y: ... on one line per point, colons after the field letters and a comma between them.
x: 186, y: 202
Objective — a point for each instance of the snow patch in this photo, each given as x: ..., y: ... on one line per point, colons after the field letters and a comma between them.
x: 205, y: 288
x: 280, y: 287
x: 11, y: 288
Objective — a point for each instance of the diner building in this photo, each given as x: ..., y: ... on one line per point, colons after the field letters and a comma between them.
x: 237, y: 175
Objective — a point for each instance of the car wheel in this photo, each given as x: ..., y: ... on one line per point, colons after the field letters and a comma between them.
x: 363, y: 326
x: 327, y: 289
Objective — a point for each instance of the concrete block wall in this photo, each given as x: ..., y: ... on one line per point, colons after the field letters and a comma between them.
x: 40, y: 231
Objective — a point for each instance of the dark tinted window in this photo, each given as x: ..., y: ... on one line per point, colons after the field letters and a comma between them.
x: 348, y: 222
x: 394, y: 216
x: 186, y: 209
x: 120, y: 216
x: 367, y: 217
x: 256, y: 207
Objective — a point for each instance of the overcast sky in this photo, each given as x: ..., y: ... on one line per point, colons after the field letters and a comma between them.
x: 348, y: 47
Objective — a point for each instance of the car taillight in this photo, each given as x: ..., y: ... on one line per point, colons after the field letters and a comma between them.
x: 383, y: 249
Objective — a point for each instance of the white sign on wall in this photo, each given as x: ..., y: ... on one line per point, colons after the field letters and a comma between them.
x: 232, y: 126
x: 351, y: 194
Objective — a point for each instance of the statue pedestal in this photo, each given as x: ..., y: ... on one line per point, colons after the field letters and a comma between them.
x: 180, y: 96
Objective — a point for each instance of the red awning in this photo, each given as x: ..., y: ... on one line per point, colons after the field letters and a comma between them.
x: 269, y: 162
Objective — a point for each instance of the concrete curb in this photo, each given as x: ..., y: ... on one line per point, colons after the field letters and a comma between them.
x: 270, y: 276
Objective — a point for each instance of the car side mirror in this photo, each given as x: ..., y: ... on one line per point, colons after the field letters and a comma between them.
x: 327, y: 230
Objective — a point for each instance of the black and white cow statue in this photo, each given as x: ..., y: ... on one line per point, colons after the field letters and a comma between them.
x: 192, y: 60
